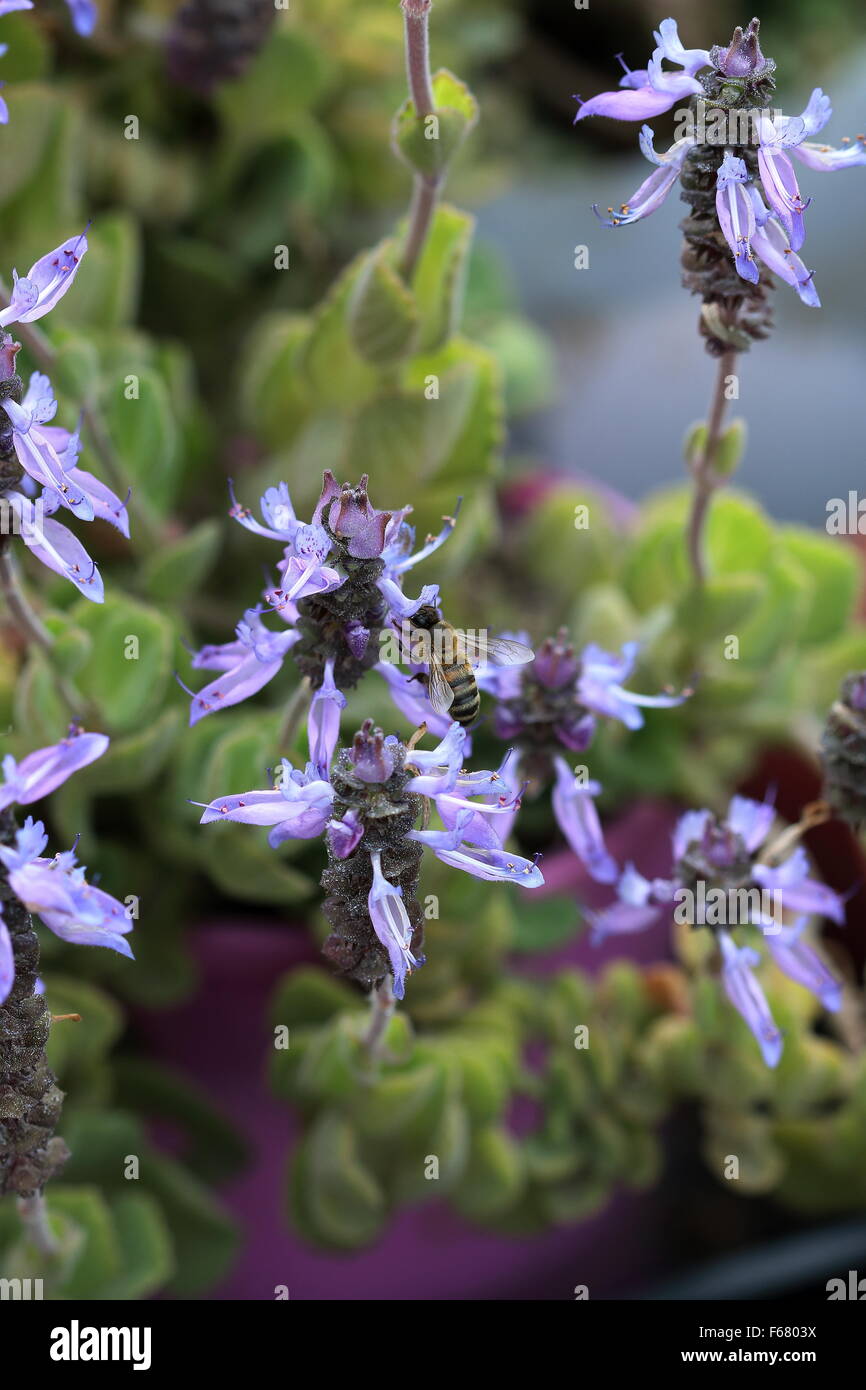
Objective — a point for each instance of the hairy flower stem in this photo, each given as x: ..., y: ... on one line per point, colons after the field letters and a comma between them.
x: 33, y: 1212
x: 382, y: 1006
x: 30, y: 1100
x: 425, y: 192
x: 703, y: 469
x: 149, y: 529
x: 31, y: 629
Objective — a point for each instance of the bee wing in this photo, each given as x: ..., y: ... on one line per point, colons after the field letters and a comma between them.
x: 439, y: 692
x: 494, y: 651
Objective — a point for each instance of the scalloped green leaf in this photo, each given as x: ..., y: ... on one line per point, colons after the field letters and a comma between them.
x: 382, y: 315
x: 836, y: 575
x: 131, y: 664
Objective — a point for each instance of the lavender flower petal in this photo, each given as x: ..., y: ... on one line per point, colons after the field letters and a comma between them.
x: 43, y: 771
x: 800, y: 963
x: 748, y: 998
x: 391, y: 924
x: 578, y: 820
x: 46, y: 282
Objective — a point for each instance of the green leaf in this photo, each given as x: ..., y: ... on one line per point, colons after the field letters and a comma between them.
x: 131, y: 664
x: 204, y: 1236
x: 541, y: 924
x: 494, y: 1176
x: 144, y: 433
x: 335, y: 1199
x: 146, y: 1253
x: 275, y: 403
x: 180, y: 567
x: 836, y: 574
x: 440, y: 276
x: 309, y: 995
x: 715, y: 609
x: 731, y: 448
x: 73, y: 1048
x: 469, y: 383
x: 24, y: 143
x: 382, y: 315
x: 428, y: 144
x: 402, y: 1103
x: 106, y: 295
x: 214, y: 1150
x: 336, y: 372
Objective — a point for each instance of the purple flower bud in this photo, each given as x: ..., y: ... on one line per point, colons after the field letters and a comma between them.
x: 9, y: 350
x: 345, y: 835
x: 354, y: 520
x: 555, y: 663
x: 357, y: 638
x: 743, y: 58
x: 370, y: 754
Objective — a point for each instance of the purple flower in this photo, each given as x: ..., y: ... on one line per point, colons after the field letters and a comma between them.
x: 36, y: 452
x: 655, y: 189
x: 56, y: 547
x: 773, y: 234
x: 47, y: 281
x: 50, y: 453
x: 389, y: 781
x: 9, y: 6
x: 323, y: 721
x: 574, y: 808
x: 743, y: 57
x: 736, y: 214
x: 345, y: 527
x: 778, y: 179
x: 799, y: 892
x: 600, y: 688
x: 651, y: 91
x: 248, y: 664
x: 57, y: 891
x: 392, y: 925
x: 48, y: 768
x: 722, y: 854
x: 799, y: 962
x: 372, y: 759
x: 747, y: 997
x: 552, y: 704
x: 298, y: 807
x: 84, y: 16
x: 352, y: 517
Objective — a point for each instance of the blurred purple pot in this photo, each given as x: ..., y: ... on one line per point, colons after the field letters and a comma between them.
x: 220, y: 1039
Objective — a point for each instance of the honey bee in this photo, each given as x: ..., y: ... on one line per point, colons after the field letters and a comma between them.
x: 449, y: 653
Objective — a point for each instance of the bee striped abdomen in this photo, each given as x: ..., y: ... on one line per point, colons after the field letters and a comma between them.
x: 467, y: 701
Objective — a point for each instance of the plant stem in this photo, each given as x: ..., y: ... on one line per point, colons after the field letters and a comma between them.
x: 425, y: 192
x: 703, y: 472
x: 33, y: 1212
x: 294, y: 713
x: 382, y: 1004
x: 30, y: 627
